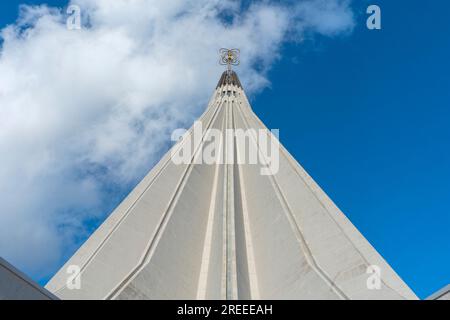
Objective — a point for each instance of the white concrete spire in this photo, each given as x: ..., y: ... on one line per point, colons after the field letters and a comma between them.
x: 230, y: 228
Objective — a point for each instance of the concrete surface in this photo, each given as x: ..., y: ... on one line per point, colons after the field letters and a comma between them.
x: 14, y: 285
x: 224, y: 231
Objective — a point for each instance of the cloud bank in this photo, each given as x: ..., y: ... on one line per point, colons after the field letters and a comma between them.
x: 85, y: 113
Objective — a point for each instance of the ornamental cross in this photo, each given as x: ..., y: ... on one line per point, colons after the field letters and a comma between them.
x: 229, y: 57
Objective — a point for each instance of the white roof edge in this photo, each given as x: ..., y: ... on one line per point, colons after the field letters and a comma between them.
x: 26, y: 281
x: 440, y: 293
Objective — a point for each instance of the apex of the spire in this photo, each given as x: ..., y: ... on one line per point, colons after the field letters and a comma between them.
x: 229, y: 78
x: 229, y: 57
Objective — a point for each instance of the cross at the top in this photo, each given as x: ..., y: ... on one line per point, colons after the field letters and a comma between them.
x: 229, y: 57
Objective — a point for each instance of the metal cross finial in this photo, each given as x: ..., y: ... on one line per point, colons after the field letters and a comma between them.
x: 229, y: 57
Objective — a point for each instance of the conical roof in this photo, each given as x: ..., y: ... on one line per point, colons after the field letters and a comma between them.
x: 231, y: 228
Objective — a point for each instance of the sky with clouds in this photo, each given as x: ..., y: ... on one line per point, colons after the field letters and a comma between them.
x: 364, y: 112
x: 85, y: 113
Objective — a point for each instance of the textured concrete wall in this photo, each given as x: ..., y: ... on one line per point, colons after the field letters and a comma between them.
x: 225, y: 231
x: 14, y: 285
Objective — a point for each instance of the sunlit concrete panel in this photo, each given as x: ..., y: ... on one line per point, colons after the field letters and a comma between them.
x: 225, y: 230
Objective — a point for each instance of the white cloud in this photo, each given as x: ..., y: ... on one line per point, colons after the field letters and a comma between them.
x: 323, y: 16
x: 85, y: 113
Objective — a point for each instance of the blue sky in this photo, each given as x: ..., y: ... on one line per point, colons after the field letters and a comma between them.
x: 366, y: 115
